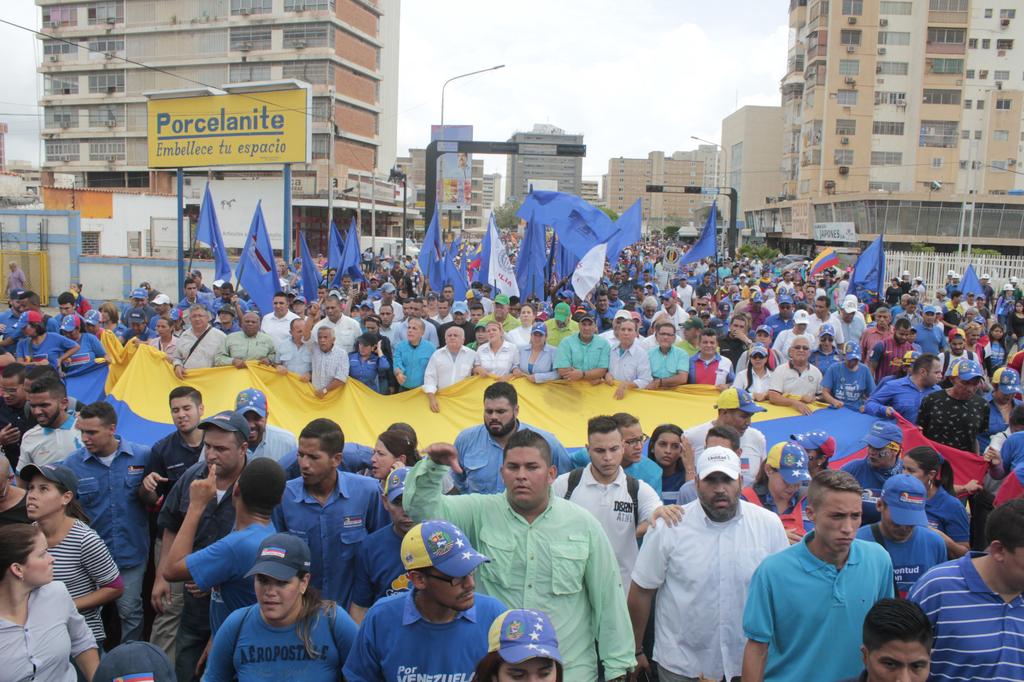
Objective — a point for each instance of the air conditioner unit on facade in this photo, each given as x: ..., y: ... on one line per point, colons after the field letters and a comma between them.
x: 883, y: 22
x: 844, y: 170
x: 851, y: 49
x: 881, y: 50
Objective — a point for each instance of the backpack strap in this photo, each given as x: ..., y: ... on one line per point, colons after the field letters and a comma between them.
x: 876, y: 533
x: 575, y: 476
x: 633, y: 488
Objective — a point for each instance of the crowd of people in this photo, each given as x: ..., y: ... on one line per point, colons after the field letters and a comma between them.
x: 244, y: 551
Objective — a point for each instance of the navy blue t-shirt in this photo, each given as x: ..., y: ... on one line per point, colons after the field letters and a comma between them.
x: 871, y: 480
x: 379, y: 569
x: 911, y: 558
x: 946, y: 513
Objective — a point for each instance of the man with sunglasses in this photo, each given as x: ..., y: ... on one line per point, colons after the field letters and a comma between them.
x: 884, y: 442
x: 436, y: 631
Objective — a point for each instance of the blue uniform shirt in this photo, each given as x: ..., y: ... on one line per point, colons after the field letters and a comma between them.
x: 823, y: 361
x: 946, y: 513
x: 871, y: 480
x: 912, y: 557
x: 778, y: 324
x: 355, y: 458
x: 412, y: 361
x: 109, y: 495
x: 220, y: 569
x: 84, y: 358
x: 379, y: 569
x: 333, y: 531
x: 480, y: 458
x: 996, y: 423
x: 396, y: 643
x: 850, y: 386
x: 50, y: 349
x: 372, y: 371
x: 931, y: 339
x: 901, y: 394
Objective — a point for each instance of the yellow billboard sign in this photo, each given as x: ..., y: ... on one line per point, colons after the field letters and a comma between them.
x: 230, y: 130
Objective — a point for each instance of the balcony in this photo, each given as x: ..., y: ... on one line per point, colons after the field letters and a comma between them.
x: 947, y: 17
x: 945, y: 48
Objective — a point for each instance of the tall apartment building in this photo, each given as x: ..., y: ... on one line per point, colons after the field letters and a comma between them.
x: 751, y: 156
x: 95, y: 112
x: 490, y: 198
x: 897, y: 112
x: 589, y: 192
x: 627, y: 180
x: 521, y: 169
x: 415, y: 168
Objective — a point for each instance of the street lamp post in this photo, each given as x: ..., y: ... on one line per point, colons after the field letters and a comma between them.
x: 398, y: 175
x: 455, y: 78
x: 718, y: 149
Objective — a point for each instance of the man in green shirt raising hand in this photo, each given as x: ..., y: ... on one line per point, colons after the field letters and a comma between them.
x: 546, y: 552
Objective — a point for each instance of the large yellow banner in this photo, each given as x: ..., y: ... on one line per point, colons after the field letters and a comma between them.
x: 230, y: 130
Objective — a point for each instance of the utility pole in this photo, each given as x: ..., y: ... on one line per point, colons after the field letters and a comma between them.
x: 330, y: 165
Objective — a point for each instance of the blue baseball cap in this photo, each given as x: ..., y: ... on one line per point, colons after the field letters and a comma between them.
x: 790, y: 460
x: 139, y: 661
x: 140, y: 293
x: 765, y: 328
x: 394, y: 484
x: 442, y: 545
x: 460, y: 307
x: 539, y: 328
x: 282, y: 556
x: 966, y: 370
x: 852, y: 350
x: 92, y: 317
x: 70, y: 322
x: 759, y: 349
x: 931, y: 310
x: 816, y: 440
x: 228, y: 420
x: 756, y: 297
x: 135, y: 317
x: 905, y: 498
x: 785, y: 298
x: 1007, y: 380
x: 521, y: 634
x: 827, y: 330
x: 882, y: 433
x: 737, y: 399
x: 251, y: 400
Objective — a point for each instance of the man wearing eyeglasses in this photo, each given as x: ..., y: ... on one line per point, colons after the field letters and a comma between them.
x: 796, y: 383
x: 436, y: 631
x: 884, y: 443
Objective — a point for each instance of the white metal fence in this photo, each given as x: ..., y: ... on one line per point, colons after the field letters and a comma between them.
x: 932, y: 267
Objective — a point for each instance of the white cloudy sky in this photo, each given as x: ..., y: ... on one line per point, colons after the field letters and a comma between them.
x: 632, y: 77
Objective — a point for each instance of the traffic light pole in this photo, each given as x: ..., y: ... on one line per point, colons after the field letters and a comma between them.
x: 732, y: 233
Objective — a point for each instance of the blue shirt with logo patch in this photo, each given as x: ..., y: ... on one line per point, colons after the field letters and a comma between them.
x: 871, y: 480
x: 851, y: 386
x: 912, y: 557
x: 947, y: 513
x: 379, y: 569
x: 51, y: 348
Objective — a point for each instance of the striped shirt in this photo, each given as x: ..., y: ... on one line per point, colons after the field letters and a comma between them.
x: 978, y: 636
x: 82, y: 562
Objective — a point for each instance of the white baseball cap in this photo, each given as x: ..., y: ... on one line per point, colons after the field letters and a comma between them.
x: 986, y: 276
x: 801, y: 317
x: 906, y: 273
x: 850, y: 306
x: 718, y: 458
x: 950, y: 273
x: 1013, y: 280
x: 161, y: 299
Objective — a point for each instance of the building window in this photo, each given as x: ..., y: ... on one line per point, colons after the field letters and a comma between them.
x: 986, y: 43
x: 60, y: 117
x: 106, y: 82
x: 967, y: 104
x: 321, y: 146
x: 249, y: 73
x: 849, y: 67
x: 887, y: 128
x: 60, y: 85
x: 62, y: 150
x: 880, y: 186
x: 251, y: 6
x: 979, y: 104
x: 847, y: 98
x: 947, y: 65
x: 892, y: 68
x: 988, y: 13
x: 109, y: 44
x: 888, y: 97
x: 970, y: 73
x: 106, y: 150
x: 298, y: 36
x: 965, y: 134
x: 853, y: 7
x: 108, y: 12
x: 106, y: 116
x: 1001, y: 75
x: 977, y: 134
x: 933, y: 96
x: 849, y: 37
x: 304, y: 5
x: 59, y: 47
x: 901, y: 8
x: 1000, y: 135
x: 1007, y: 14
x: 946, y: 36
x: 947, y: 5
x: 1003, y: 104
x: 316, y: 73
x: 938, y: 134
x: 54, y: 17
x: 999, y: 165
x: 893, y: 38
x: 846, y: 126
x: 972, y: 43
x: 322, y: 109
x: 937, y: 162
x: 1004, y: 44
x: 90, y: 242
x: 250, y: 38
x: 843, y: 157
x: 886, y: 158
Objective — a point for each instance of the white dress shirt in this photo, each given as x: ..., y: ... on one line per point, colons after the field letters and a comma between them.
x: 498, y: 362
x: 346, y: 331
x: 631, y: 364
x: 443, y: 370
x: 278, y: 328
x: 814, y: 327
x: 395, y: 305
x: 786, y: 338
x: 703, y: 567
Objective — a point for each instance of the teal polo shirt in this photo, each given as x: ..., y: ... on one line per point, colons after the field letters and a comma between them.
x: 665, y: 365
x: 802, y: 606
x: 572, y: 352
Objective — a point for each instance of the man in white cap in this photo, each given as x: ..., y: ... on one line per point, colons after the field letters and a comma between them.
x: 799, y: 330
x: 735, y: 536
x: 986, y: 287
x: 920, y: 288
x: 849, y: 319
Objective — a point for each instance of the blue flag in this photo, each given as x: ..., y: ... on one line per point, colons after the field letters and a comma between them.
x: 257, y: 271
x: 452, y: 275
x: 335, y: 249
x: 628, y: 231
x: 350, y: 255
x: 579, y: 226
x: 431, y: 258
x: 706, y: 245
x: 482, y: 273
x: 310, y: 273
x: 531, y: 262
x: 868, y: 278
x: 208, y: 232
x: 970, y: 284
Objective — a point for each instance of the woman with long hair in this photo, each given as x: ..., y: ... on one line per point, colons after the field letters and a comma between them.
x: 537, y: 360
x: 498, y: 357
x: 946, y: 515
x: 995, y: 352
x: 777, y: 488
x: 394, y: 446
x: 288, y: 615
x: 81, y: 560
x: 756, y: 377
x: 165, y: 341
x: 668, y: 449
x: 1016, y: 323
x: 41, y: 631
x: 523, y: 647
x: 520, y: 336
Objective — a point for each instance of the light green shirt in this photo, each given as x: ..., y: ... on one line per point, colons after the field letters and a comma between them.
x: 572, y: 352
x: 666, y: 365
x: 690, y: 349
x: 238, y: 346
x: 561, y: 564
x: 556, y: 334
x: 508, y: 325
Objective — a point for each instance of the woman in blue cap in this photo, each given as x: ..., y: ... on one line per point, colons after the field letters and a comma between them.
x: 779, y: 488
x: 523, y: 647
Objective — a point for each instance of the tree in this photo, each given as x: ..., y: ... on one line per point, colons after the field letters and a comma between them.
x: 921, y: 247
x: 671, y: 231
x: 505, y: 216
x: 610, y: 213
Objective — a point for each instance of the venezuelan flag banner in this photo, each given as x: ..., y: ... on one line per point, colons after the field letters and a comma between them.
x: 828, y: 258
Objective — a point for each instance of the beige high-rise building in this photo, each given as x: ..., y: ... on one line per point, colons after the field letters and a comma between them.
x: 895, y: 114
x: 93, y: 104
x: 589, y: 192
x: 751, y: 156
x: 627, y: 180
x: 491, y: 195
